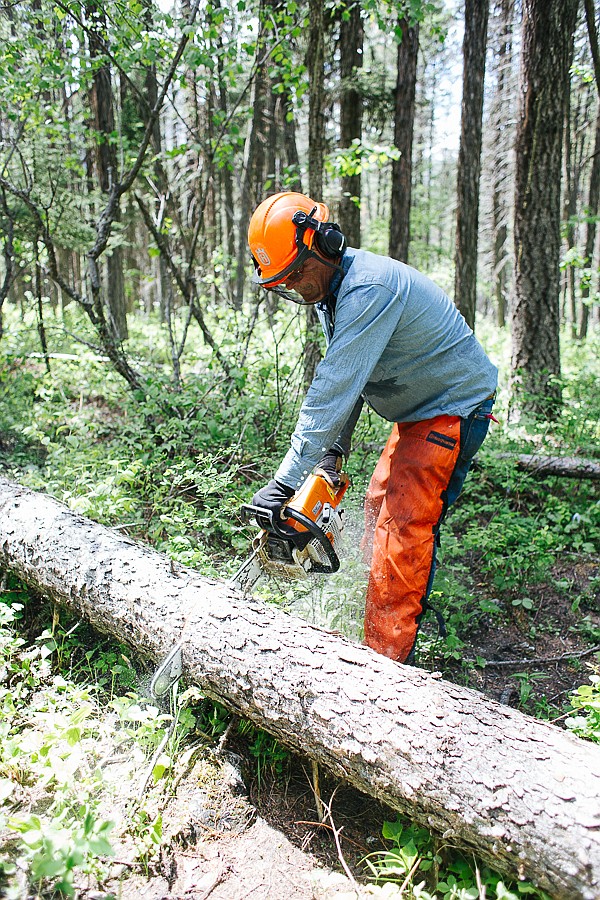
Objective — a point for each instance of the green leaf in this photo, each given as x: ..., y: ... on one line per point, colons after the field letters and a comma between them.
x: 392, y: 830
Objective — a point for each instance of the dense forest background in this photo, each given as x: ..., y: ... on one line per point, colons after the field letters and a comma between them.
x: 147, y: 385
x: 136, y: 141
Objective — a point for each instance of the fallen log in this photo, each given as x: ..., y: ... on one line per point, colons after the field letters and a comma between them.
x: 522, y: 794
x: 566, y: 466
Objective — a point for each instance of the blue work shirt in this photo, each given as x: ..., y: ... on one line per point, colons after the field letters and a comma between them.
x: 397, y: 341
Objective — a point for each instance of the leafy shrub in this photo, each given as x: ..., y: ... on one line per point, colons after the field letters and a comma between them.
x: 586, y: 700
x: 414, y: 861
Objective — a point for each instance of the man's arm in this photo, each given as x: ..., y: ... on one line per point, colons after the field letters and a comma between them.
x: 343, y: 443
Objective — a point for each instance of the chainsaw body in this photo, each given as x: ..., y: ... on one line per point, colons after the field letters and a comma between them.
x: 306, y: 540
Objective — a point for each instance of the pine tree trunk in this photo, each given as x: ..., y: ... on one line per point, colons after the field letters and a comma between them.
x: 590, y: 232
x: 521, y: 794
x: 503, y: 136
x: 316, y: 153
x: 404, y: 120
x: 103, y: 119
x: 547, y: 42
x: 469, y: 157
x: 351, y: 46
x: 251, y: 191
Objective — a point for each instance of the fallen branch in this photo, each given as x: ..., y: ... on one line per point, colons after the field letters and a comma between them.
x: 521, y: 794
x: 566, y: 466
x: 539, y: 660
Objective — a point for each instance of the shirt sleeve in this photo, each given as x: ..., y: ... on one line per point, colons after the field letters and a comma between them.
x: 343, y: 442
x: 366, y: 317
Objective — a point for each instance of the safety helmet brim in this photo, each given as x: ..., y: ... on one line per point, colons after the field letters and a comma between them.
x: 275, y: 280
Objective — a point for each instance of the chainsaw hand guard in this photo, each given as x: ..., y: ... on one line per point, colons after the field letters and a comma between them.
x: 258, y: 515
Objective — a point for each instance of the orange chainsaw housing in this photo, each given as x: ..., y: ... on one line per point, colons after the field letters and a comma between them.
x: 312, y: 497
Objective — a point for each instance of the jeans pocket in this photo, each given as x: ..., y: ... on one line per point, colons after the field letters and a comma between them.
x: 474, y: 429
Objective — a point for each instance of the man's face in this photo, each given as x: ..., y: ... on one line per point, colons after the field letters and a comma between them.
x: 311, y: 280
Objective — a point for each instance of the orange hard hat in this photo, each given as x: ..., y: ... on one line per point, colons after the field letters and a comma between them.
x: 277, y: 244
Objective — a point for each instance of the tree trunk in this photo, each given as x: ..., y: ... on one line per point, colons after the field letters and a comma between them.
x: 404, y: 122
x: 103, y: 121
x: 315, y: 58
x: 251, y: 190
x: 590, y: 233
x: 469, y: 157
x: 522, y: 794
x: 548, y: 27
x: 503, y: 136
x: 315, y: 61
x: 566, y: 466
x: 287, y: 124
x: 351, y: 47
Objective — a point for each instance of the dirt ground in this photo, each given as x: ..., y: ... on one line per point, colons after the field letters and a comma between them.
x: 227, y: 840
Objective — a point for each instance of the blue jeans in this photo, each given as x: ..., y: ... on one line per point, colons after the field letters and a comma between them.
x: 473, y: 430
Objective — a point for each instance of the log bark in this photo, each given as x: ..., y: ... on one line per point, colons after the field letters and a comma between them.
x: 522, y: 794
x: 567, y: 466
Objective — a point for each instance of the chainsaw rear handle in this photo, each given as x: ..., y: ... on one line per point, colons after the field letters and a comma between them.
x: 259, y: 512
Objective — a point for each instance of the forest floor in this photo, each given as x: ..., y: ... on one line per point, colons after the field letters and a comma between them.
x: 238, y: 819
x: 233, y: 830
x: 272, y: 845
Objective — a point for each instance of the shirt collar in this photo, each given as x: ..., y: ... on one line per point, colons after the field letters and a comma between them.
x: 338, y: 276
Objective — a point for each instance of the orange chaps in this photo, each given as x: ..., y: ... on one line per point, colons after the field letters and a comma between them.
x: 404, y: 505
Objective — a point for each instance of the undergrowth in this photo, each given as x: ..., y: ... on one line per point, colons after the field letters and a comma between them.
x: 171, y: 467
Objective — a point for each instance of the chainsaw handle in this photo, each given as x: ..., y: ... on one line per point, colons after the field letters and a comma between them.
x: 255, y: 514
x: 320, y: 536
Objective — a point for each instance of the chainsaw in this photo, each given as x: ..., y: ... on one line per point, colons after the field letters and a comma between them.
x: 305, y: 540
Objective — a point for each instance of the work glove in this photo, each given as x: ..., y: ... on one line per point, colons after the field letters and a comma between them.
x: 273, y: 496
x: 331, y: 466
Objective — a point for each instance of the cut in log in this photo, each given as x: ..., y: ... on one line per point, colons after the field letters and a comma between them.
x: 521, y: 794
x: 567, y: 466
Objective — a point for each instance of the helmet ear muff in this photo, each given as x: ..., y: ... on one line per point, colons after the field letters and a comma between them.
x: 329, y: 239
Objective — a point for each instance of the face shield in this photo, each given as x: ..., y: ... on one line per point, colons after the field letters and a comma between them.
x: 277, y: 284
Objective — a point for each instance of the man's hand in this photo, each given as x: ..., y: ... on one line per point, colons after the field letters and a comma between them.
x: 331, y: 466
x: 273, y: 496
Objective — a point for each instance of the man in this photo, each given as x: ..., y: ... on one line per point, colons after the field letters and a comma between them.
x: 396, y: 342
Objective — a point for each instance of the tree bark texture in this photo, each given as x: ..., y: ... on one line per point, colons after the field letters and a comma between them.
x: 404, y: 123
x: 351, y: 47
x: 590, y: 233
x: 547, y: 42
x: 315, y: 62
x: 469, y: 157
x: 253, y: 178
x: 522, y: 794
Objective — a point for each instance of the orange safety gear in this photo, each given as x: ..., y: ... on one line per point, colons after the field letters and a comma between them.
x: 404, y: 506
x: 284, y: 231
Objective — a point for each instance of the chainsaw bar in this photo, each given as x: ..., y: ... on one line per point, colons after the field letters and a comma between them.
x: 248, y: 574
x: 167, y: 674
